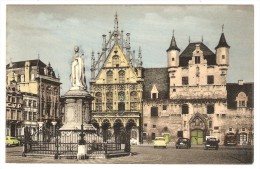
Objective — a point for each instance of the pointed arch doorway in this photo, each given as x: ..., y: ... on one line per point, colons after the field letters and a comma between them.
x: 198, y: 129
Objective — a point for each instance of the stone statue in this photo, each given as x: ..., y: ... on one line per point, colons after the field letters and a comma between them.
x: 77, y: 77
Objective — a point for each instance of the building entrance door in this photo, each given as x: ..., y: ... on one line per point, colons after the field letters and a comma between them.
x: 197, y: 136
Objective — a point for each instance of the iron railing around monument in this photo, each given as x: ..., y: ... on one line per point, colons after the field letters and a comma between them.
x: 61, y: 144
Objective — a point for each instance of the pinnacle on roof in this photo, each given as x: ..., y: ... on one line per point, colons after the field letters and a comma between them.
x: 173, y: 45
x: 222, y: 41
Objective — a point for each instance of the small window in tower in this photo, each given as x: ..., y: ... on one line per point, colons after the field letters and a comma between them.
x: 197, y: 59
x: 172, y: 59
x: 164, y: 107
x: 223, y: 56
x: 185, y: 80
x: 210, y: 79
x: 154, y: 126
x: 174, y: 90
x: 230, y: 129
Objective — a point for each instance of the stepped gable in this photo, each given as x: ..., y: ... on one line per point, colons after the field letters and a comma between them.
x: 186, y: 55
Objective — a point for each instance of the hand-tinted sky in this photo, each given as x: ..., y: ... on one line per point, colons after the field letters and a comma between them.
x: 52, y: 31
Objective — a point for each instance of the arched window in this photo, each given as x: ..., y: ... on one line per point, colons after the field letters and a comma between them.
x: 241, y: 100
x: 134, y: 101
x: 115, y: 61
x: 109, y: 76
x: 98, y: 100
x: 210, y: 109
x: 133, y: 96
x: 185, y: 109
x: 121, y: 96
x: 121, y: 76
x: 109, y: 101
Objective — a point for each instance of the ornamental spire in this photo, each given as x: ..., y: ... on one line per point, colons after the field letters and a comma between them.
x: 222, y: 41
x: 173, y: 45
x: 116, y: 23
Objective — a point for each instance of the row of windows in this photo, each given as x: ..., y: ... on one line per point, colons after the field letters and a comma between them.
x: 185, y: 80
x: 121, y: 75
x: 184, y: 108
x: 197, y: 59
x: 21, y: 78
x: 121, y: 97
x: 121, y: 106
x: 18, y: 115
x: 14, y: 99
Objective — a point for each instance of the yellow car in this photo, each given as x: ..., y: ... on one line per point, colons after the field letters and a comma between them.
x: 159, y: 142
x: 10, y: 141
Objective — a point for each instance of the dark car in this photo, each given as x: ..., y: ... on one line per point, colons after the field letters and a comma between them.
x: 211, y: 143
x: 183, y: 143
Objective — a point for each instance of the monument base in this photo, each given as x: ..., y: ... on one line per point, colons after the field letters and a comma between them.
x: 77, y: 110
x: 82, y: 152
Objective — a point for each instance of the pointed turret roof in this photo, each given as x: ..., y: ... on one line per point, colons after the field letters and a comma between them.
x: 173, y: 45
x: 222, y: 42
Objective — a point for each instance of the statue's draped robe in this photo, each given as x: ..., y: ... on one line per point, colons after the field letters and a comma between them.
x: 78, y: 79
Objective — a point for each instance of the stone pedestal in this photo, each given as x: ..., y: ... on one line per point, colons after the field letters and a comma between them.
x: 82, y: 152
x: 77, y: 111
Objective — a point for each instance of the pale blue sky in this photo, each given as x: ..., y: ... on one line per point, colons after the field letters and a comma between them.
x: 53, y: 31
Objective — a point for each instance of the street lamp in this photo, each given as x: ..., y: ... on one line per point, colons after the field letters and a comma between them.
x: 56, y: 140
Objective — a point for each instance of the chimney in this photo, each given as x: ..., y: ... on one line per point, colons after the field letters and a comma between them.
x: 240, y: 82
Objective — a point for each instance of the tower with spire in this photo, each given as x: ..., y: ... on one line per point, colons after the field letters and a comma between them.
x: 222, y: 53
x: 173, y: 53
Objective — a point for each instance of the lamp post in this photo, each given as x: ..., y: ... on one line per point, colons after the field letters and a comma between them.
x: 40, y: 123
x: 56, y: 140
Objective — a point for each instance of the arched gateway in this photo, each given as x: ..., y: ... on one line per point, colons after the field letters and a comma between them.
x: 198, y: 128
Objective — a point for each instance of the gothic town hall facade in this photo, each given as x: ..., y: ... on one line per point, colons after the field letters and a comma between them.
x: 188, y: 98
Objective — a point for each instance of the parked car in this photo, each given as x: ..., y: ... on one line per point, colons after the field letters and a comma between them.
x: 230, y: 139
x: 159, y: 142
x: 133, y: 141
x: 11, y: 141
x: 211, y: 143
x: 183, y: 143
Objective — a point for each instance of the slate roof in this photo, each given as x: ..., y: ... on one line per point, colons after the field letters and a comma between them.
x: 159, y: 77
x: 173, y: 45
x: 233, y: 89
x: 222, y: 42
x: 22, y: 64
x: 186, y: 55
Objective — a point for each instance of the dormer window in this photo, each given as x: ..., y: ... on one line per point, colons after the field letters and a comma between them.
x: 241, y: 100
x: 154, y: 92
x: 197, y: 59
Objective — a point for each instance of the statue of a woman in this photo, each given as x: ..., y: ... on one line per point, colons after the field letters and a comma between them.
x: 77, y: 77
